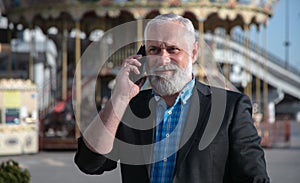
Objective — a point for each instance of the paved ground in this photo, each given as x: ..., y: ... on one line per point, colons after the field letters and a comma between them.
x: 284, y: 163
x: 58, y: 167
x: 49, y: 167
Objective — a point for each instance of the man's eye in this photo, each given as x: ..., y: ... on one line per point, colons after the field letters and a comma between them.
x: 173, y: 50
x: 153, y: 50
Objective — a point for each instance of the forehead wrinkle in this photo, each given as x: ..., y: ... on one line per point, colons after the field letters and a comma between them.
x: 162, y: 44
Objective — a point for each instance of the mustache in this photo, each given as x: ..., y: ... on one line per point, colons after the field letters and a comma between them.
x: 169, y: 67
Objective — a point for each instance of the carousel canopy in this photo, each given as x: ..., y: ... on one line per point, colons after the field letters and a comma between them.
x: 104, y: 14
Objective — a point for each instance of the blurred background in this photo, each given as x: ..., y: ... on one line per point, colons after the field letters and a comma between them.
x: 254, y: 43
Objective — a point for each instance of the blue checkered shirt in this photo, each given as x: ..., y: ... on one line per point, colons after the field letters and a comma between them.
x: 168, y: 132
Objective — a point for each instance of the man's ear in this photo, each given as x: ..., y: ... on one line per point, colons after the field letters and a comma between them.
x: 195, y: 52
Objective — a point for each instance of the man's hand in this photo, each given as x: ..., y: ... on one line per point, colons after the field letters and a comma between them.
x: 125, y: 89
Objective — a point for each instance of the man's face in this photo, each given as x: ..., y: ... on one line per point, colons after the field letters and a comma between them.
x: 170, y: 55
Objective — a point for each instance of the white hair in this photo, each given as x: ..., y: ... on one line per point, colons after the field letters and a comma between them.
x: 161, y: 19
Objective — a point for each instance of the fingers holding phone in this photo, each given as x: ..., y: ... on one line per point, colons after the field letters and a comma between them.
x: 125, y: 88
x: 132, y: 64
x: 140, y: 78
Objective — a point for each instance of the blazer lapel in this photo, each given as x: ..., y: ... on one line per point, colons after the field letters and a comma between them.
x: 142, y: 113
x: 195, y: 123
x: 193, y: 129
x: 147, y: 137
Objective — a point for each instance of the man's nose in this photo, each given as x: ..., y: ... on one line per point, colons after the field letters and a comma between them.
x: 163, y: 52
x: 164, y: 57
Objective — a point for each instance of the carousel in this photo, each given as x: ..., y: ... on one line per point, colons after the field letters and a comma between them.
x: 77, y: 21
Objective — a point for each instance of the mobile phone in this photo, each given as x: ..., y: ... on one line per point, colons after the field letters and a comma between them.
x: 140, y: 79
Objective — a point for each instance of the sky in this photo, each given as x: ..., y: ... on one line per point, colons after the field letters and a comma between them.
x: 276, y: 30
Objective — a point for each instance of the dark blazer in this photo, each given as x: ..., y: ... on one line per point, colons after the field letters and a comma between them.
x: 220, y: 142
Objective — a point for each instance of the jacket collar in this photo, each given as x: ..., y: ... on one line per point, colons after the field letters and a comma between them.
x: 195, y: 123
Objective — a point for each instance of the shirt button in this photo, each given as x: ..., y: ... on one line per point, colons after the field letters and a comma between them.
x: 167, y: 135
x: 169, y: 112
x: 165, y: 159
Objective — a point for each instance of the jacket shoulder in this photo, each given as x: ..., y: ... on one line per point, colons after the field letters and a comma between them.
x: 219, y: 93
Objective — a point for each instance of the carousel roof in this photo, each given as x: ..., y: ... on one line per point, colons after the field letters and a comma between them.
x: 104, y: 14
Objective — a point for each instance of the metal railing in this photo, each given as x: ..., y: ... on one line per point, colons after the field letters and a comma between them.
x: 240, y: 39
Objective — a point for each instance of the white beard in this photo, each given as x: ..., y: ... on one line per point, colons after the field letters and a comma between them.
x: 165, y: 85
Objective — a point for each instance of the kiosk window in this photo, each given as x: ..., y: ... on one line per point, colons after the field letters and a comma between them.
x: 12, y: 116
